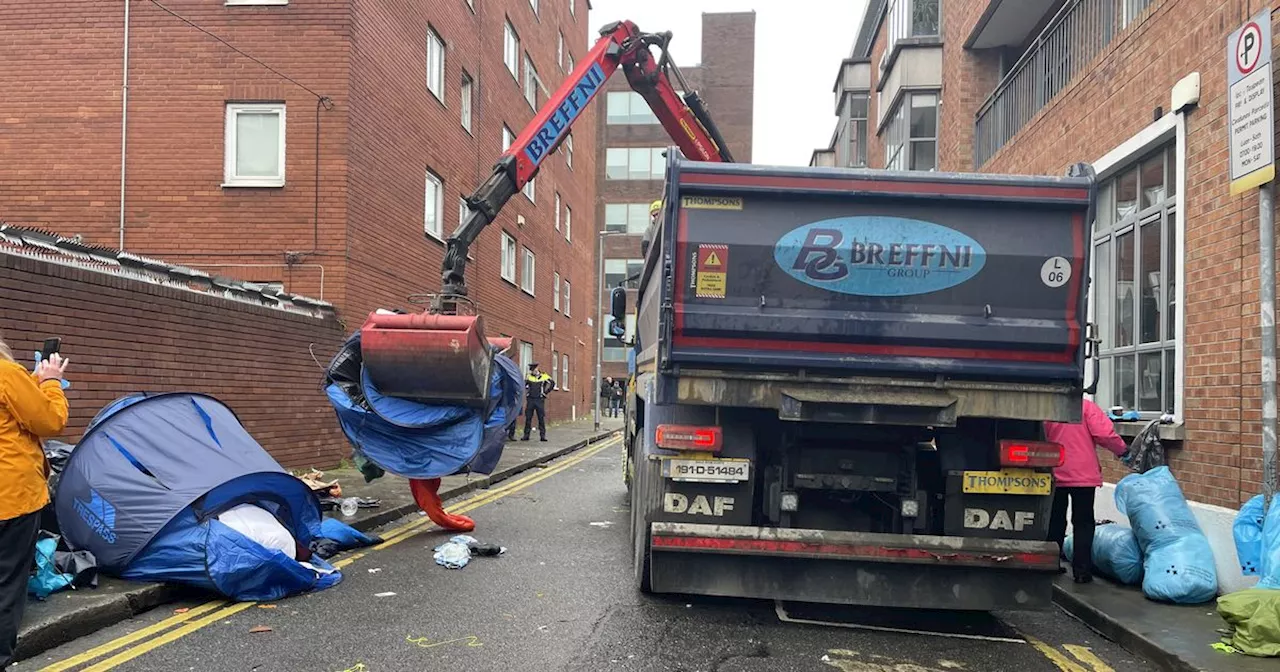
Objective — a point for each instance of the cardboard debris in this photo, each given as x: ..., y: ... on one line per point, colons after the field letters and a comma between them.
x: 312, y: 479
x: 259, y: 628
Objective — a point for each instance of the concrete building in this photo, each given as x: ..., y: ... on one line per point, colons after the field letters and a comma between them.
x: 324, y: 146
x: 630, y: 155
x: 1138, y: 89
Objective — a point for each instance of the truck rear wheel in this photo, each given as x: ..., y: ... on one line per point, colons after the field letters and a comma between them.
x: 646, y: 499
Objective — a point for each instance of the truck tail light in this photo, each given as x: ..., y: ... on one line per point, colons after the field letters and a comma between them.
x: 687, y: 437
x: 1030, y: 454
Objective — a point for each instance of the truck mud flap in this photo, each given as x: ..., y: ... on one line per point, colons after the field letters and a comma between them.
x: 891, y: 570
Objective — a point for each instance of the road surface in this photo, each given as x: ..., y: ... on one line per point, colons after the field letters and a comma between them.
x: 561, y: 599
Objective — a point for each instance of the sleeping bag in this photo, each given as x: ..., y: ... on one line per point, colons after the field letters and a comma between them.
x: 1178, y: 562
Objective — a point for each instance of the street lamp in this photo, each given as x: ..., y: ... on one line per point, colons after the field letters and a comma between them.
x: 599, y: 388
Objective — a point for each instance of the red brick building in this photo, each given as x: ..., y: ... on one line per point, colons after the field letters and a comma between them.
x: 1138, y: 89
x: 630, y: 157
x: 323, y: 145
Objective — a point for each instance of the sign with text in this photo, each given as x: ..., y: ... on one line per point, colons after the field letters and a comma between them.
x: 1251, y: 104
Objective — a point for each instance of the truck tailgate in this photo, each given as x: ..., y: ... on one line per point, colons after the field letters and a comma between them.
x: 928, y: 273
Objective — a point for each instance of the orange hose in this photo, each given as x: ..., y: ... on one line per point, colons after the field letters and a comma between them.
x: 426, y: 492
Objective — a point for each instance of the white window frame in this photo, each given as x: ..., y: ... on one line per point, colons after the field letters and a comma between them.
x: 471, y: 5
x: 568, y: 56
x: 627, y: 210
x: 466, y: 95
x: 508, y: 137
x: 557, y: 211
x: 511, y: 49
x: 463, y: 211
x: 433, y: 213
x: 1172, y: 126
x: 656, y: 161
x: 529, y: 273
x: 568, y: 148
x: 567, y: 302
x: 564, y: 371
x: 530, y: 82
x: 509, y: 251
x: 533, y: 4
x: 555, y: 370
x: 560, y: 50
x: 526, y: 356
x: 568, y: 223
x: 530, y: 189
x: 555, y: 291
x: 573, y: 11
x: 435, y: 66
x: 899, y: 144
x: 229, y: 178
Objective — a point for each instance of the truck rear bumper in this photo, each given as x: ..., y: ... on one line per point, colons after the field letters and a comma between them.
x: 891, y: 570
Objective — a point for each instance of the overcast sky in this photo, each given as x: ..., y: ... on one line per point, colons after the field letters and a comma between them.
x: 793, y: 100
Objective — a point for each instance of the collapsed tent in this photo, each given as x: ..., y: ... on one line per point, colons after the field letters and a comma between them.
x: 418, y: 440
x: 170, y: 487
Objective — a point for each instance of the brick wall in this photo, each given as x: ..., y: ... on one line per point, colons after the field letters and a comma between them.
x: 124, y: 335
x: 1219, y: 463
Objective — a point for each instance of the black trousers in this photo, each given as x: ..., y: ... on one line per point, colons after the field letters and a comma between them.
x: 1082, y: 524
x: 535, y: 407
x: 17, y: 556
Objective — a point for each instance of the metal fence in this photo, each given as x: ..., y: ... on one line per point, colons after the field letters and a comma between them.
x: 1075, y: 36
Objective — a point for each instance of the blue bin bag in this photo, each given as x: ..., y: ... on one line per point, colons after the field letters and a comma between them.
x: 47, y: 580
x: 1247, y: 531
x: 346, y: 536
x: 1116, y: 554
x: 416, y: 440
x: 1178, y: 562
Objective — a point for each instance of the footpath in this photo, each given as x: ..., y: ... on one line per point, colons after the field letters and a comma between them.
x: 71, y: 614
x: 1175, y: 637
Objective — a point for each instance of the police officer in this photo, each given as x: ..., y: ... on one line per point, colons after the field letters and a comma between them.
x: 537, y: 386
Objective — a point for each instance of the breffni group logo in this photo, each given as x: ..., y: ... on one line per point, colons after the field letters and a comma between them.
x: 879, y: 256
x: 99, y: 515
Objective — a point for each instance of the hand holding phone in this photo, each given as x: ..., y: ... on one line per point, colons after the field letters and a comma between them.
x: 51, y: 347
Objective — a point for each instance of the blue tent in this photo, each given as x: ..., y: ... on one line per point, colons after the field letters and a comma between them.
x: 416, y: 440
x: 143, y: 488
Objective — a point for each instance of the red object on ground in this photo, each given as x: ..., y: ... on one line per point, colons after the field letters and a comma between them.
x: 426, y: 492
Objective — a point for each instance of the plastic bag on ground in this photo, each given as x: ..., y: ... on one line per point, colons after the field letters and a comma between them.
x: 456, y: 553
x: 47, y: 580
x: 1178, y: 562
x: 1253, y: 620
x: 1247, y: 531
x: 1116, y: 554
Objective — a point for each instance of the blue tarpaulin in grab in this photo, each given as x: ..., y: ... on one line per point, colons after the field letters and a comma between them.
x: 145, y: 487
x: 416, y: 440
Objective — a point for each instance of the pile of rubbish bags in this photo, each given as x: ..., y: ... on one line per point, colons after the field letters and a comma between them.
x: 1116, y: 553
x: 1253, y: 615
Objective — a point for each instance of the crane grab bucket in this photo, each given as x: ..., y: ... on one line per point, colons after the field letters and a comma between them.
x: 433, y: 359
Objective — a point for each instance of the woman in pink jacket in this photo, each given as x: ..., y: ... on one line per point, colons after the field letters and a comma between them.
x: 1079, y: 477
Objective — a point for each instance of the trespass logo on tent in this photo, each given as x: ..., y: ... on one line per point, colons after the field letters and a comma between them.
x: 879, y: 256
x: 99, y: 515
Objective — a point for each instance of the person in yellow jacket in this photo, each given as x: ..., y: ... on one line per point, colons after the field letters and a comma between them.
x: 32, y: 407
x: 537, y: 385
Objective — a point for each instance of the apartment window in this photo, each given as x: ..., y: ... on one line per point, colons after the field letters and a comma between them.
x: 858, y: 130
x: 564, y: 371
x: 529, y: 189
x: 435, y: 64
x: 530, y: 82
x: 508, y: 258
x: 555, y: 291
x: 471, y: 4
x: 617, y: 272
x: 557, y: 211
x: 572, y: 9
x: 464, y: 96
x: 533, y: 4
x: 463, y: 210
x: 1135, y: 284
x: 627, y: 107
x: 568, y: 140
x: 614, y: 350
x: 526, y: 356
x: 529, y: 272
x: 433, y: 206
x: 566, y: 302
x: 507, y: 138
x: 635, y: 163
x: 568, y: 223
x: 555, y: 370
x: 254, y: 152
x: 1131, y: 9
x: 511, y: 49
x: 630, y: 218
x: 560, y: 51
x: 569, y: 58
x: 911, y: 137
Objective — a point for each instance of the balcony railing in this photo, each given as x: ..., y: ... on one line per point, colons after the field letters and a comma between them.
x: 910, y: 18
x: 1075, y: 36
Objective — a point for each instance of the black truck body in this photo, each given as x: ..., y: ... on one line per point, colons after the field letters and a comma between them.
x: 841, y: 379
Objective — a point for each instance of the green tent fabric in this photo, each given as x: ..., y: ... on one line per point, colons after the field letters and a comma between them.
x: 1253, y: 617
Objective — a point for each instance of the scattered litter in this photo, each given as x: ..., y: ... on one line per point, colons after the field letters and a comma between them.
x: 825, y: 658
x: 266, y: 606
x: 688, y: 606
x: 387, y: 594
x: 375, y: 570
x: 312, y: 480
x: 602, y: 523
x: 458, y: 551
x: 1223, y: 648
x: 259, y: 628
x: 182, y: 610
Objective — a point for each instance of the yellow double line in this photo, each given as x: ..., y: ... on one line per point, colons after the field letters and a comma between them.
x: 217, y: 610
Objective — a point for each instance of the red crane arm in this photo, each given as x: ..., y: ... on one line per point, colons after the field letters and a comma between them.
x: 621, y: 45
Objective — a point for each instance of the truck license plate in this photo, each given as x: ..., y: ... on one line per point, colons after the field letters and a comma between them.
x: 707, y: 471
x: 1008, y: 482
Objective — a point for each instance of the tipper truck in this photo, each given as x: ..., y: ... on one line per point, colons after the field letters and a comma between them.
x: 841, y: 379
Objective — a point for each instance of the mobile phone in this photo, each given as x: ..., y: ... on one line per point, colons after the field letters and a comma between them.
x: 51, y: 347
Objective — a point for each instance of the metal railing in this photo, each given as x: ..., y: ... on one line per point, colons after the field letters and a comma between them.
x: 910, y: 18
x: 1075, y: 36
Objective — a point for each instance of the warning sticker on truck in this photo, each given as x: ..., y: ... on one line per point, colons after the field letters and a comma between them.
x: 712, y: 271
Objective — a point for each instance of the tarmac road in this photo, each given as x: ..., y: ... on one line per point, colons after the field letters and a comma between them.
x: 560, y: 599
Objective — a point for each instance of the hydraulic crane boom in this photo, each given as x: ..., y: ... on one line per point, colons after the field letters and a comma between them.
x: 621, y: 45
